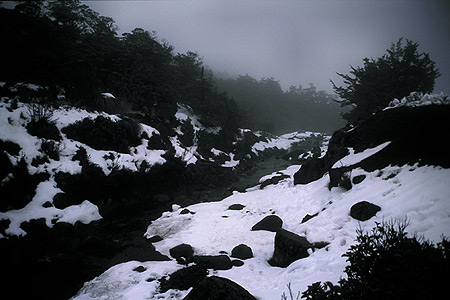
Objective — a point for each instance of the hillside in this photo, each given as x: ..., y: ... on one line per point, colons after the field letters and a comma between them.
x: 79, y: 187
x: 394, y: 161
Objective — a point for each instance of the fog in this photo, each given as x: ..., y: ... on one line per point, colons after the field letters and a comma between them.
x: 296, y: 42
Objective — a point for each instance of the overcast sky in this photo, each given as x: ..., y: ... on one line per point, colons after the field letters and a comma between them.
x: 294, y: 41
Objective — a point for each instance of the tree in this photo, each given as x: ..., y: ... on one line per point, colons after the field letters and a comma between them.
x: 396, y: 74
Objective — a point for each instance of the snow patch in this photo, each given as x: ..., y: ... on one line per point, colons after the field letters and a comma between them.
x: 419, y: 193
x: 354, y: 158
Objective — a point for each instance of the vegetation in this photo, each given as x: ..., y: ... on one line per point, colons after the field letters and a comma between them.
x: 267, y: 107
x: 105, y: 134
x: 77, y: 56
x: 388, y: 264
x: 394, y: 75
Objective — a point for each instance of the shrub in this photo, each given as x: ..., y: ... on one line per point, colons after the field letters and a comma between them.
x: 44, y: 128
x: 387, y: 264
x: 105, y: 134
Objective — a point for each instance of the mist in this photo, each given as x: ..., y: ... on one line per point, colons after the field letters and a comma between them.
x: 295, y: 42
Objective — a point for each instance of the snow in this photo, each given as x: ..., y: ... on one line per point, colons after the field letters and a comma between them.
x: 86, y: 212
x: 354, y: 158
x: 418, y: 193
x: 282, y: 142
x: 415, y: 99
x: 108, y: 95
x: 12, y: 124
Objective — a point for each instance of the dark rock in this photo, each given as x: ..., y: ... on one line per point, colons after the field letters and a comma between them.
x: 319, y: 245
x: 237, y: 263
x: 242, y: 251
x: 273, y: 180
x: 236, y: 207
x: 219, y: 262
x: 47, y: 204
x: 184, y: 279
x: 63, y: 200
x: 140, y: 269
x: 363, y: 211
x: 358, y: 179
x: 308, y: 217
x: 183, y: 253
x: 218, y: 288
x: 289, y: 247
x: 186, y: 211
x: 310, y: 171
x: 340, y: 177
x: 155, y: 239
x: 269, y: 223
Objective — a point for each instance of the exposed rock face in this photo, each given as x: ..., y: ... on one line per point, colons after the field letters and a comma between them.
x: 218, y: 288
x: 269, y: 223
x: 363, y: 211
x: 289, y: 247
x: 242, y: 251
x: 183, y: 253
x: 219, y: 262
x: 310, y: 171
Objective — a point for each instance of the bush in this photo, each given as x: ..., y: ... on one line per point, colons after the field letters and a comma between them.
x: 387, y: 264
x: 105, y: 134
x: 44, y: 128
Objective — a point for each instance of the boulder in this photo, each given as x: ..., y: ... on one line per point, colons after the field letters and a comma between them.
x: 358, y: 179
x: 273, y: 180
x: 363, y: 211
x: 310, y: 171
x: 184, y: 279
x: 218, y: 262
x: 218, y: 288
x: 308, y: 217
x: 289, y: 247
x: 183, y: 253
x: 236, y: 206
x: 269, y: 223
x: 242, y: 251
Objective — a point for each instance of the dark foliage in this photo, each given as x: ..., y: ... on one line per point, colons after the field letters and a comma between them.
x: 19, y: 189
x: 44, y: 128
x: 394, y: 75
x: 66, y: 46
x: 105, y: 134
x: 388, y: 264
x: 266, y: 107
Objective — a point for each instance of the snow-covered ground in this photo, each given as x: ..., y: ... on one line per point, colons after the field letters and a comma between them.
x: 417, y: 193
x: 12, y: 124
x: 13, y: 128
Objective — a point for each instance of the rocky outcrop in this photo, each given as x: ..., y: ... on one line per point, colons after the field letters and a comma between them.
x: 269, y: 223
x: 289, y: 247
x: 218, y: 288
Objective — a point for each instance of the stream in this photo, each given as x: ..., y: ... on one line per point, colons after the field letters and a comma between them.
x: 54, y: 263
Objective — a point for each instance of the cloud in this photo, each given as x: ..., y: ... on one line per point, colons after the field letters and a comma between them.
x: 296, y: 42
